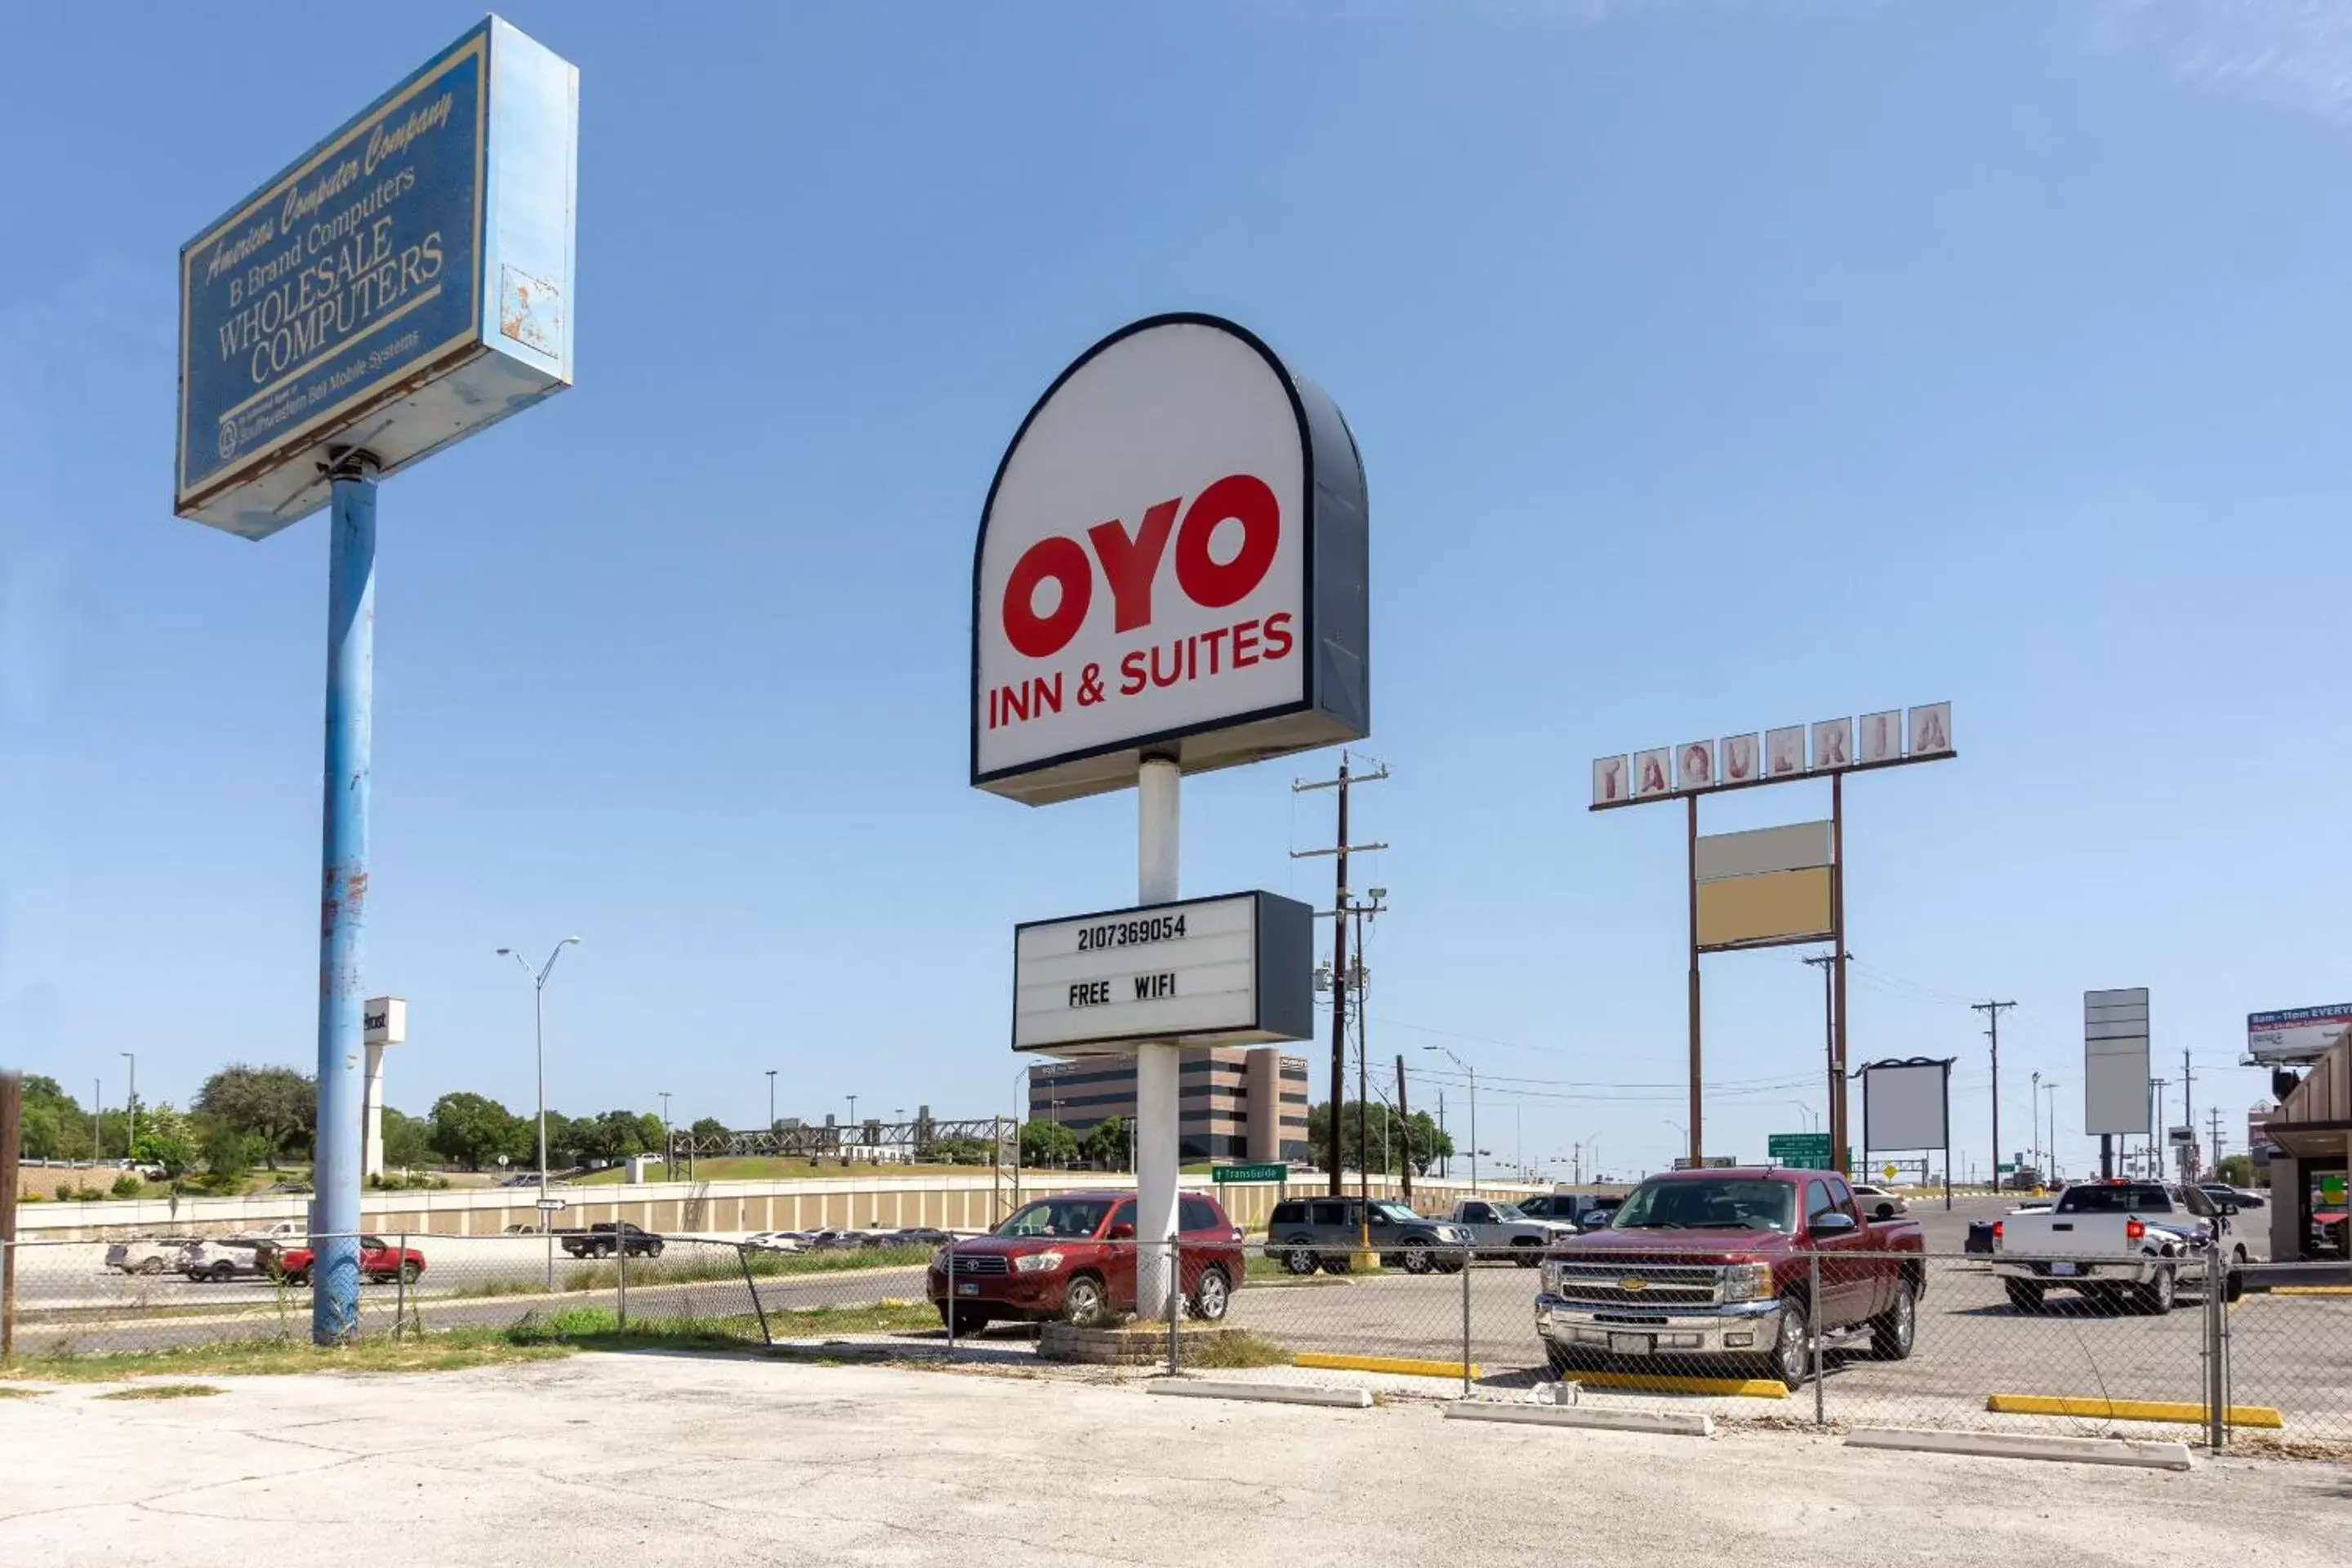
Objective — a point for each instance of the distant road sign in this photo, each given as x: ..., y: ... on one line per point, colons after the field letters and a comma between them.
x: 1224, y: 1173
x: 1800, y: 1151
x: 1890, y: 1171
x: 549, y: 1205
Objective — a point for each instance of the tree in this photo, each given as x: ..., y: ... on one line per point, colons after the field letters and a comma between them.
x: 709, y: 1129
x: 474, y: 1130
x: 2236, y: 1169
x: 956, y: 1152
x: 1428, y: 1143
x: 1381, y: 1126
x: 1105, y: 1142
x: 407, y: 1140
x: 278, y: 1105
x: 229, y: 1154
x: 1045, y: 1143
x: 55, y: 1126
x: 165, y: 1139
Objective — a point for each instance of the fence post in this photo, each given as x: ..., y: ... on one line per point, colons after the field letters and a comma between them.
x: 1468, y: 1259
x: 1175, y: 1296
x: 621, y: 1251
x: 743, y: 1254
x: 400, y: 1302
x: 2217, y: 1315
x: 1814, y: 1333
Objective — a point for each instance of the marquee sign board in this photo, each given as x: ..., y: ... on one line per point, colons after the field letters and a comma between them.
x: 2114, y: 1061
x: 403, y: 284
x: 1906, y: 1105
x: 1737, y: 762
x: 1172, y: 562
x: 1231, y: 970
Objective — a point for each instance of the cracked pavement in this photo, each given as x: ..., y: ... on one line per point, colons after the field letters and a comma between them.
x: 739, y: 1460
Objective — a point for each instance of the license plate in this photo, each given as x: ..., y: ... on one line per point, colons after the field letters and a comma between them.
x: 1629, y: 1344
x: 967, y: 1290
x: 2062, y: 1268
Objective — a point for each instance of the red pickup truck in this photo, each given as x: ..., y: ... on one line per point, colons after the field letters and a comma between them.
x: 378, y: 1260
x: 1706, y: 1266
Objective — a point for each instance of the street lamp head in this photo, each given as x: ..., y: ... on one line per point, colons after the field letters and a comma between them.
x: 506, y: 952
x: 568, y: 941
x: 1380, y: 894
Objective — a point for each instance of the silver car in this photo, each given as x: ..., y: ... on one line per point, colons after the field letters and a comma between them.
x: 222, y: 1261
x: 150, y: 1255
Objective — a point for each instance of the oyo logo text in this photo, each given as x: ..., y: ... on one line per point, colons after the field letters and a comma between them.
x: 1131, y: 565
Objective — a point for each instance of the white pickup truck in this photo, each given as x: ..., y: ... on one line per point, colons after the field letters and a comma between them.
x: 2125, y: 1245
x: 1498, y: 1230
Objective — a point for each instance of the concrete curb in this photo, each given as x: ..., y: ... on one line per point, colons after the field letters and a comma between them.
x: 1267, y: 1393
x: 1666, y: 1423
x: 2171, y: 1411
x: 1395, y: 1367
x: 2139, y: 1454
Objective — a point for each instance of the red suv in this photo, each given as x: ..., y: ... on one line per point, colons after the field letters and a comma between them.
x: 1072, y: 1255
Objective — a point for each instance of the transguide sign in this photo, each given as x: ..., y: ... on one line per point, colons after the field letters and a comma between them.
x: 1172, y: 560
x: 1226, y: 971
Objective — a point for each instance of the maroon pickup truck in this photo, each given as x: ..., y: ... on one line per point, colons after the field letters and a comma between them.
x: 1699, y: 1266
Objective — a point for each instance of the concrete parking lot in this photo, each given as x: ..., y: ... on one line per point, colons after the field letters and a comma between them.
x: 722, y: 1461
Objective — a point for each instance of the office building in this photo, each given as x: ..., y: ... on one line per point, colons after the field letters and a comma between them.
x: 1237, y: 1103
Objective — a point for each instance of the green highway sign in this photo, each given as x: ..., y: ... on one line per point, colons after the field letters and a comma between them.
x: 1222, y: 1173
x: 1802, y: 1150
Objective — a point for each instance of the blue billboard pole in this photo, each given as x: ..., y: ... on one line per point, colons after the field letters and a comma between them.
x: 342, y: 908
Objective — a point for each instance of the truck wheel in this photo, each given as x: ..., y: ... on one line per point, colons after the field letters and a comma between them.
x: 1416, y: 1257
x: 1298, y: 1259
x: 1527, y: 1254
x: 1893, y: 1330
x: 1790, y: 1348
x: 655, y: 1250
x: 2023, y: 1295
x: 151, y: 1265
x: 1084, y: 1302
x: 409, y: 1271
x: 2154, y: 1297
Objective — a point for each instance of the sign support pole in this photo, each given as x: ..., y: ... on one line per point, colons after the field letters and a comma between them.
x: 1841, y: 1157
x: 1157, y: 797
x: 1696, y: 1137
x: 351, y: 721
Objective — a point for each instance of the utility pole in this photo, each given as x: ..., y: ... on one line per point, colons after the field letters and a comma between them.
x: 1826, y: 962
x: 2187, y: 1108
x: 1993, y: 1012
x: 1441, y: 1128
x: 130, y: 1108
x: 1405, y: 1132
x: 2156, y: 1140
x: 1340, y: 850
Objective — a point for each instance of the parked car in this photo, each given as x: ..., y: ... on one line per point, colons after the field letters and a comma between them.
x: 777, y: 1241
x: 1501, y: 1230
x: 222, y: 1261
x: 920, y: 1235
x: 1718, y: 1264
x: 277, y: 1232
x: 149, y: 1255
x: 1072, y: 1257
x: 380, y: 1262
x: 1585, y: 1211
x: 2227, y: 1196
x: 2120, y: 1244
x: 1308, y: 1234
x: 1877, y: 1202
x: 604, y: 1238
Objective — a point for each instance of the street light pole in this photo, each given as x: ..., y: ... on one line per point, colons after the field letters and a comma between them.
x: 666, y: 1149
x: 771, y: 1099
x: 130, y: 1104
x: 538, y: 1057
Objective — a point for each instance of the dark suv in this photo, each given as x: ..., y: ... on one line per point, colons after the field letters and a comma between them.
x: 1311, y: 1233
x: 1072, y: 1255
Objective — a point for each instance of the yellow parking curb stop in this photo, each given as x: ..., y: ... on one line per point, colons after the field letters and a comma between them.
x: 2181, y: 1411
x: 1403, y: 1366
x: 1662, y: 1383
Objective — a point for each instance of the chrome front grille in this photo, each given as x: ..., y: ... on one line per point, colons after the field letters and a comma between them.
x: 1634, y: 1285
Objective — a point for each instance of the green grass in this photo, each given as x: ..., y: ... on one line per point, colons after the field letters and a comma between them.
x: 166, y: 1390
x: 881, y: 1318
x: 1228, y: 1347
x: 7, y: 1392
x: 702, y: 1267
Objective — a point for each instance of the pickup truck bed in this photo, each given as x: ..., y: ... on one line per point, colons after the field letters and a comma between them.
x: 2123, y: 1246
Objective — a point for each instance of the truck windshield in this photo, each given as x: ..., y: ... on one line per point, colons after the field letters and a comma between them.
x: 1721, y: 1203
x: 1509, y: 1212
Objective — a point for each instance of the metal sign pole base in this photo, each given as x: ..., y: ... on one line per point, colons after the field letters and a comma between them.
x: 1157, y: 796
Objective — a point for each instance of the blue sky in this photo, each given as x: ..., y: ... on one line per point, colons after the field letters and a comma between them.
x: 1715, y: 366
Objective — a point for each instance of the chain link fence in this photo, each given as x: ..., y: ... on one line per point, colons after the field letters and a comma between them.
x: 2259, y: 1357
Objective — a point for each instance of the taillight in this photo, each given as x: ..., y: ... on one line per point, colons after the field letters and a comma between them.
x: 1996, y: 1230
x: 2134, y: 1229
